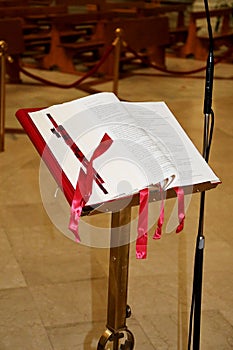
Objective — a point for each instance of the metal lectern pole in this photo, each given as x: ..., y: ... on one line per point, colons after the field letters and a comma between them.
x: 117, y: 332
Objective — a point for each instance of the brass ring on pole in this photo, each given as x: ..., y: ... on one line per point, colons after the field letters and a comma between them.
x: 3, y: 51
x: 117, y: 53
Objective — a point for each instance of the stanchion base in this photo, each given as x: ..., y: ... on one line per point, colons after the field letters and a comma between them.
x: 120, y: 340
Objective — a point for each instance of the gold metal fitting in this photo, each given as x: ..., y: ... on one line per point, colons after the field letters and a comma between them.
x: 3, y: 47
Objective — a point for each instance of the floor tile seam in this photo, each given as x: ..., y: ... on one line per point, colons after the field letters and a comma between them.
x: 220, y: 312
x: 145, y: 333
x: 63, y: 283
x: 7, y: 226
x: 224, y: 132
x: 47, y: 327
x: 23, y: 203
x: 12, y: 289
x: 225, y: 317
x: 16, y: 259
x: 74, y: 324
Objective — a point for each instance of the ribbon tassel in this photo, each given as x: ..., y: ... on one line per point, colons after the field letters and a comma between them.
x: 158, y: 231
x: 181, y: 212
x: 141, y: 243
x: 84, y: 186
x: 77, y: 205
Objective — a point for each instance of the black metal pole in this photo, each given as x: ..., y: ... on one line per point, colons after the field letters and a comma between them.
x: 196, y: 304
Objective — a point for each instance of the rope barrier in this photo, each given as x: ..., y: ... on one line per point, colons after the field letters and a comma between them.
x: 105, y: 56
x: 77, y: 82
x: 165, y: 70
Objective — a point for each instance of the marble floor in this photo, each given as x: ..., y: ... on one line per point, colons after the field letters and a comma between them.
x: 53, y: 291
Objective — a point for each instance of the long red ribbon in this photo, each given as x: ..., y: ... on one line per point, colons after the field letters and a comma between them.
x: 141, y: 243
x: 181, y: 212
x: 84, y: 185
x: 158, y: 231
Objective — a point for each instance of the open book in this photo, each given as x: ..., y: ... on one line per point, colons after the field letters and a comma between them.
x: 148, y: 147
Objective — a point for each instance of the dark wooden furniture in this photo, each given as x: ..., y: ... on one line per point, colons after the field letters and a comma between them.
x: 197, y: 43
x: 35, y: 23
x: 27, y: 11
x: 73, y: 35
x: 11, y: 33
x: 176, y: 13
x: 143, y: 35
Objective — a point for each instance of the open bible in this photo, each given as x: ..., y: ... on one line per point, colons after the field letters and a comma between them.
x: 149, y: 146
x: 101, y: 151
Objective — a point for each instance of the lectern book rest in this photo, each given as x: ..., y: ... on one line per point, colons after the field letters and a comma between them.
x: 110, y: 149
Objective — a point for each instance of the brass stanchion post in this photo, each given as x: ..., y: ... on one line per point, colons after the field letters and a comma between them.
x: 3, y: 50
x: 117, y: 53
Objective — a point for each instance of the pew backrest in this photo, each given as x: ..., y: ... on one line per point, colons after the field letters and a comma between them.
x: 11, y: 33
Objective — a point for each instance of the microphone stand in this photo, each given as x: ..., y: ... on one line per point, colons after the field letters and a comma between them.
x: 195, y: 311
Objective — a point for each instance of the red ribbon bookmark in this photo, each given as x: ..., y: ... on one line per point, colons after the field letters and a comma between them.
x: 158, y: 231
x: 84, y: 185
x: 141, y: 243
x: 181, y: 212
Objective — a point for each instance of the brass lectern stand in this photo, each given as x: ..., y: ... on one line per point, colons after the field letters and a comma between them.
x: 117, y: 333
x: 116, y: 336
x: 118, y: 310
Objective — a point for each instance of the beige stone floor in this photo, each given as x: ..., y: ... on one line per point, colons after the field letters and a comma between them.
x: 53, y: 292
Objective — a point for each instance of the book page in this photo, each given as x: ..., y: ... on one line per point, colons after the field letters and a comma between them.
x: 149, y: 146
x: 158, y: 121
x: 134, y: 161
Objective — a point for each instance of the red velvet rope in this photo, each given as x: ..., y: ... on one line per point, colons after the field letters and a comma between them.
x: 153, y: 65
x: 103, y: 59
x: 77, y: 82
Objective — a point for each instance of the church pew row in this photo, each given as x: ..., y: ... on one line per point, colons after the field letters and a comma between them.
x: 35, y: 22
x: 136, y: 31
x: 63, y: 36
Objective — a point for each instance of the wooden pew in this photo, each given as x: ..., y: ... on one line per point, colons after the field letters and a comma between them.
x: 140, y: 34
x: 137, y: 33
x: 10, y: 3
x: 178, y: 29
x: 197, y: 43
x: 176, y: 12
x: 11, y: 33
x: 35, y: 25
x: 32, y: 11
x: 71, y: 36
x: 123, y: 9
x: 40, y: 2
x: 89, y: 5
